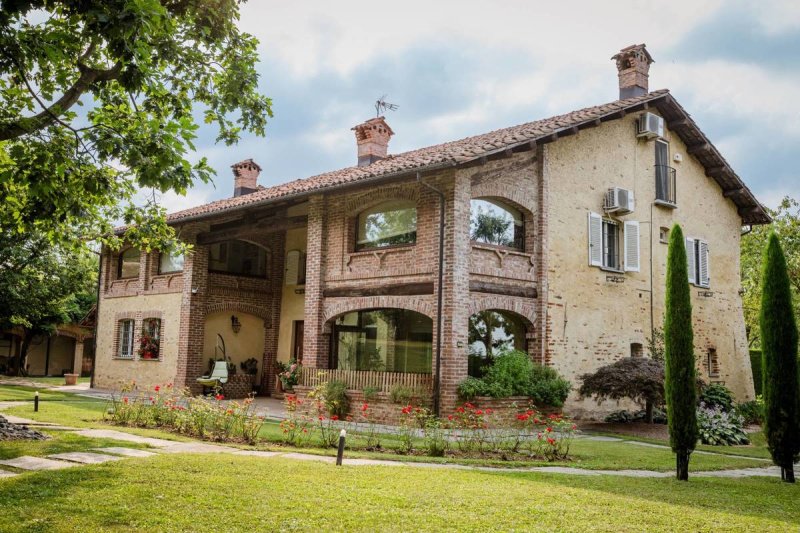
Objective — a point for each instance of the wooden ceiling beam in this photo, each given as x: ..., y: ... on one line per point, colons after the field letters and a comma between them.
x: 732, y: 192
x: 265, y: 225
x: 698, y: 148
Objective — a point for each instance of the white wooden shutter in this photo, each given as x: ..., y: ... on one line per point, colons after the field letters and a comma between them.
x: 631, y: 237
x: 292, y: 267
x: 702, y: 263
x: 595, y: 239
x: 691, y: 260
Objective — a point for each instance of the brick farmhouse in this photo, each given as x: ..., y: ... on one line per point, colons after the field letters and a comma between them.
x: 415, y: 268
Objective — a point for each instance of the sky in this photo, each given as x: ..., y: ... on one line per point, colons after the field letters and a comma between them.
x: 460, y: 68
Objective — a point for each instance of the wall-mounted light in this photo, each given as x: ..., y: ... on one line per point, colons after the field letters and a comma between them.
x: 235, y: 324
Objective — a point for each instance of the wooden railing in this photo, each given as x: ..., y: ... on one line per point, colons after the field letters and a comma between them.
x: 361, y: 379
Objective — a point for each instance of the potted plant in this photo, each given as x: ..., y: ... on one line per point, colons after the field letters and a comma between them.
x: 250, y: 368
x: 148, y: 346
x: 288, y: 375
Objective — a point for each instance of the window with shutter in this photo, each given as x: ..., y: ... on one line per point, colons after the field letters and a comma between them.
x: 703, y: 278
x: 631, y: 246
x: 595, y: 239
x: 691, y: 260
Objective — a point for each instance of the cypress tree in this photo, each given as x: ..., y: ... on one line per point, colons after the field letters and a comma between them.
x: 779, y: 362
x: 680, y: 380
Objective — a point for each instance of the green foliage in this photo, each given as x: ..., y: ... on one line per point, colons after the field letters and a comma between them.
x: 405, y: 395
x: 718, y: 427
x: 336, y: 400
x: 680, y: 379
x: 717, y: 395
x: 786, y: 225
x: 752, y: 412
x: 755, y: 364
x: 42, y: 286
x: 781, y: 390
x: 514, y: 374
x: 626, y: 417
x: 99, y: 101
x: 370, y: 393
x: 655, y: 345
x: 638, y: 378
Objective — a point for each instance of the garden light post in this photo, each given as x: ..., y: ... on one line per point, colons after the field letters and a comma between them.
x: 36, y: 402
x: 340, y: 451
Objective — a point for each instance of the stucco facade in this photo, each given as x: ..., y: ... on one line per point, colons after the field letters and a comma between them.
x: 553, y: 174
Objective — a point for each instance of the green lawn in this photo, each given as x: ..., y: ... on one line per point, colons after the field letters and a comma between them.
x: 51, y: 381
x: 79, y: 411
x: 60, y: 442
x: 757, y: 447
x: 20, y: 393
x: 234, y: 493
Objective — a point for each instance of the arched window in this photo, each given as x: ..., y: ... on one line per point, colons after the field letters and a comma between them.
x: 497, y: 223
x: 387, y: 224
x: 238, y: 257
x: 490, y: 334
x: 386, y: 340
x: 128, y: 264
x: 169, y: 262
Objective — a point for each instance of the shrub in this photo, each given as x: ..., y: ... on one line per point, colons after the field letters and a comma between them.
x: 755, y: 364
x: 752, y: 412
x: 639, y: 378
x: 336, y: 400
x: 370, y: 393
x: 680, y: 384
x: 514, y: 374
x: 717, y: 395
x: 781, y: 389
x: 720, y: 428
x: 404, y: 395
x: 619, y: 417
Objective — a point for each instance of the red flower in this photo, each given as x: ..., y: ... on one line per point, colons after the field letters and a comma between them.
x: 574, y: 426
x: 488, y: 411
x: 460, y: 409
x: 469, y: 405
x: 450, y: 417
x: 125, y: 400
x: 364, y: 407
x: 407, y: 409
x: 151, y: 398
x: 551, y: 441
x: 524, y: 417
x: 219, y: 397
x: 335, y: 417
x: 157, y: 388
x: 478, y: 412
x: 549, y: 429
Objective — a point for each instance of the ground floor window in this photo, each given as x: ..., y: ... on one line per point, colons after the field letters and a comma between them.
x: 125, y: 338
x: 387, y: 340
x: 150, y: 340
x: 491, y: 333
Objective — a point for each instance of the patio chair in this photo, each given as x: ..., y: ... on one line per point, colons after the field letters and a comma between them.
x: 217, y: 378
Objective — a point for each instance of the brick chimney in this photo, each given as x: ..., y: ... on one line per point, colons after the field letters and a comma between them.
x: 372, y: 138
x: 245, y: 177
x: 633, y: 66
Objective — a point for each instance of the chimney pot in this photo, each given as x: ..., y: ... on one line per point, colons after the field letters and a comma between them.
x: 633, y: 67
x: 245, y: 177
x: 372, y: 138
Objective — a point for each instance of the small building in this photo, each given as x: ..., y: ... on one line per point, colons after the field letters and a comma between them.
x: 414, y: 268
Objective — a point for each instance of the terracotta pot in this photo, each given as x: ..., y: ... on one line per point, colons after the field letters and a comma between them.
x: 71, y: 379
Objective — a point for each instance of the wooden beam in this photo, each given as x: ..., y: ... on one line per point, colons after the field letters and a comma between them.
x: 678, y: 123
x: 263, y: 226
x: 592, y: 124
x: 503, y: 289
x: 715, y: 171
x: 732, y: 192
x: 397, y: 289
x: 698, y: 148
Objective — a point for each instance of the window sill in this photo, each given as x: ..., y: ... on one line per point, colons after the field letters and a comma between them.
x: 614, y: 270
x: 378, y: 249
x: 118, y: 358
x: 149, y: 360
x: 664, y: 203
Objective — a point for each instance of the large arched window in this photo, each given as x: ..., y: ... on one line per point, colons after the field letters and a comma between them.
x: 128, y: 264
x: 386, y: 340
x: 387, y: 224
x: 238, y: 257
x: 169, y: 262
x: 491, y: 333
x: 495, y: 222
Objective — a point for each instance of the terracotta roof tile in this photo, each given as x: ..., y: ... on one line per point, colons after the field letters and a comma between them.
x: 431, y: 157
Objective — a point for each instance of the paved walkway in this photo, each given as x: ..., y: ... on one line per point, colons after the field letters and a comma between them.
x: 162, y: 446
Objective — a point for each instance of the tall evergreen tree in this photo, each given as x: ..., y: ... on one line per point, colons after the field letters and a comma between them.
x: 681, y: 382
x: 779, y: 362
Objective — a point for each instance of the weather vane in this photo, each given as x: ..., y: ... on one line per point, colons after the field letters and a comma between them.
x: 381, y: 105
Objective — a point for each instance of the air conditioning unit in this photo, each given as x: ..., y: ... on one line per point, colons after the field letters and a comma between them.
x: 650, y: 126
x: 619, y: 201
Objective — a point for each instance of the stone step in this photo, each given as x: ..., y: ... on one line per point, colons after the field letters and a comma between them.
x: 126, y: 452
x: 85, y: 458
x: 27, y: 462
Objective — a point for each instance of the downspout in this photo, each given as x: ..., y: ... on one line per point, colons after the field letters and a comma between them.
x: 439, y: 296
x: 96, y: 316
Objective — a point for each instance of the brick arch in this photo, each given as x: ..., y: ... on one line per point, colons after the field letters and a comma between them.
x: 524, y: 309
x: 512, y: 196
x: 241, y: 308
x: 356, y: 204
x: 423, y: 306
